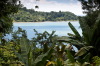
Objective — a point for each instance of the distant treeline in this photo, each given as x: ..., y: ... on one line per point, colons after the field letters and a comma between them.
x: 30, y: 15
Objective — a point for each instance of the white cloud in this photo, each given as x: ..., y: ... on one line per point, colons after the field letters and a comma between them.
x: 71, y: 0
x: 54, y: 6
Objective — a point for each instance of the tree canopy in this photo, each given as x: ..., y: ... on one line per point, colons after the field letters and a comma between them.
x: 6, y: 8
x: 92, y: 9
x: 30, y: 15
x: 90, y: 5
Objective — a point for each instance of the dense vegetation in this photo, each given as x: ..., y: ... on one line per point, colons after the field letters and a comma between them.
x: 30, y: 15
x: 6, y: 8
x: 20, y: 51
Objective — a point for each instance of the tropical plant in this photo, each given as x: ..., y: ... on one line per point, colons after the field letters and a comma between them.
x: 71, y: 61
x: 60, y: 52
x: 26, y: 55
x: 44, y: 37
x: 41, y: 39
x: 96, y: 60
x: 17, y: 35
x: 56, y: 63
x: 88, y: 43
x: 6, y: 8
x: 7, y: 56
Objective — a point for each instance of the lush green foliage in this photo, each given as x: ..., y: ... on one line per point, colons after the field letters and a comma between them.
x: 30, y: 15
x: 7, y: 56
x: 6, y: 8
x: 28, y: 54
x: 91, y: 9
x: 44, y: 37
x: 96, y: 59
x: 89, y: 43
x: 90, y: 5
x: 39, y: 40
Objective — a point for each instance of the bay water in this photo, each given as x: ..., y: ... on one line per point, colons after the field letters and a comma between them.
x: 61, y: 28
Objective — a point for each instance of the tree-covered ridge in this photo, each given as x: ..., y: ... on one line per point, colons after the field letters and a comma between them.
x: 30, y: 15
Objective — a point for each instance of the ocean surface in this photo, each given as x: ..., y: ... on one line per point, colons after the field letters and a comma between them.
x: 61, y: 28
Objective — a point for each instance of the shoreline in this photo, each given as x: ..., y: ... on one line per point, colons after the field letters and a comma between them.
x: 42, y: 22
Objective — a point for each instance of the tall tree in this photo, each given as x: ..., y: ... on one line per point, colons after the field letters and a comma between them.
x: 6, y: 8
x: 92, y: 9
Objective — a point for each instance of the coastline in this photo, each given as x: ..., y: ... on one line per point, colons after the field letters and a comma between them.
x: 44, y: 21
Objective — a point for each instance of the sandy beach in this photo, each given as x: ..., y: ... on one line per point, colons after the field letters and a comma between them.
x: 26, y: 22
x: 42, y: 22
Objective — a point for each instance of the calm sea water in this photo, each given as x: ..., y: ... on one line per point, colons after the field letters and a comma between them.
x: 61, y: 28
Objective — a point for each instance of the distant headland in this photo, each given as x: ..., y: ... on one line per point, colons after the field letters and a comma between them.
x: 30, y: 15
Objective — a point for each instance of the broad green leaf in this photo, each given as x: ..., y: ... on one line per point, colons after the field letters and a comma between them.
x: 83, y: 50
x: 70, y: 57
x: 66, y: 39
x: 41, y: 59
x: 97, y: 42
x: 86, y: 58
x: 85, y: 28
x: 30, y: 55
x: 63, y: 38
x: 63, y: 48
x: 96, y: 32
x: 77, y: 44
x: 72, y: 35
x: 59, y: 63
x: 86, y: 37
x: 24, y: 49
x: 98, y: 18
x: 67, y: 62
x: 75, y: 31
x: 24, y: 45
x: 18, y: 55
x: 46, y: 48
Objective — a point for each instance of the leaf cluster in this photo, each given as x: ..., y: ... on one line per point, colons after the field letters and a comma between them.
x: 6, y: 8
x: 7, y: 56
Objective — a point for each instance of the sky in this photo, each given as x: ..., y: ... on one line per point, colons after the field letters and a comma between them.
x: 73, y: 6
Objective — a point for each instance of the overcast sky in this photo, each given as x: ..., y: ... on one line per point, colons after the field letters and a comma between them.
x: 73, y: 6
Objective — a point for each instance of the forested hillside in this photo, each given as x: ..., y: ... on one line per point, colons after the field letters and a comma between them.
x: 30, y: 15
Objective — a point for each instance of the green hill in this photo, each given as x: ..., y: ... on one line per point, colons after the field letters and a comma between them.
x: 30, y: 15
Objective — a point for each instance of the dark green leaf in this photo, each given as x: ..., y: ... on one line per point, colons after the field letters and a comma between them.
x: 70, y: 57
